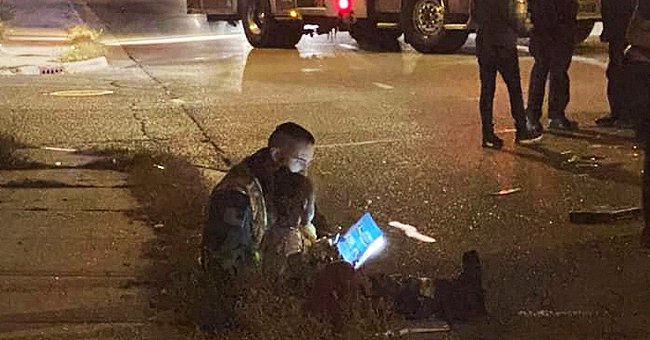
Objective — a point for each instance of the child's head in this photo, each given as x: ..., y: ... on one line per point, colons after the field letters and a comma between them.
x: 292, y: 198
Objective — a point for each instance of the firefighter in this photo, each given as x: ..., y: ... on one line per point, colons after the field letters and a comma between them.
x: 496, y: 51
x: 616, y: 18
x: 637, y: 69
x: 238, y: 220
x: 237, y: 217
x: 551, y: 44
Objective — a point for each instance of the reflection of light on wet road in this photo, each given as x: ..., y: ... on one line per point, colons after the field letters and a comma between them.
x: 412, y: 232
x: 168, y: 40
x: 590, y: 61
x: 578, y: 58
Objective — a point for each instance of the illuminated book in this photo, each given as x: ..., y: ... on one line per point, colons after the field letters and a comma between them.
x: 362, y: 241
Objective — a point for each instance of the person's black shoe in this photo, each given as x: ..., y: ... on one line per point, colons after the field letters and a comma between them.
x: 606, y: 121
x: 562, y: 124
x: 527, y: 137
x: 491, y: 141
x: 623, y: 123
x: 535, y: 127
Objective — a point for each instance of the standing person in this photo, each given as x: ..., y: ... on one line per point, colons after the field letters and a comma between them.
x: 637, y: 68
x: 496, y: 50
x: 552, y: 45
x: 616, y: 18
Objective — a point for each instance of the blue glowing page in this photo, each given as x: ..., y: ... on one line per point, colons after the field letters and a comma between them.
x: 363, y: 240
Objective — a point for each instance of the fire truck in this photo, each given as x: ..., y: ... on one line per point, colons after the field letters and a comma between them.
x: 429, y: 26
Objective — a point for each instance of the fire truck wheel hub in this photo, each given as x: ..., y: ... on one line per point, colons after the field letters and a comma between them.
x: 428, y: 16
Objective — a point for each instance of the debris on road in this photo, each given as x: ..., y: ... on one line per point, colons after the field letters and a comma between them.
x: 592, y: 158
x: 587, y: 161
x: 573, y: 159
x: 604, y: 215
x: 383, y: 86
x: 158, y: 226
x: 412, y: 232
x: 158, y: 166
x: 81, y: 93
x: 506, y: 192
x: 588, y: 165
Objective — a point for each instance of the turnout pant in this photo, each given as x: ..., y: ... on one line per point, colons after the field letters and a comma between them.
x: 552, y: 60
x: 616, y: 79
x: 505, y: 61
x: 638, y: 99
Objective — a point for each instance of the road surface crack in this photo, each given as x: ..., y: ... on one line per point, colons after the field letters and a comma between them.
x: 168, y: 92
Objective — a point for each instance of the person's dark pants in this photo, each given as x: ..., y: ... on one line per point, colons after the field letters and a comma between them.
x: 645, y: 237
x: 506, y: 62
x: 552, y: 60
x: 616, y: 79
x: 638, y: 99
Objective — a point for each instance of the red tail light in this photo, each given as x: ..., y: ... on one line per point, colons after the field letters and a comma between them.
x: 344, y: 6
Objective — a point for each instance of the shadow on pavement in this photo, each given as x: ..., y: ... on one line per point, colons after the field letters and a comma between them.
x: 173, y: 197
x: 603, y: 171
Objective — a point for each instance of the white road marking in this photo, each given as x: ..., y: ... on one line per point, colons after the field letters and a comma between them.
x: 368, y: 142
x: 50, y: 148
x: 81, y: 93
x: 383, y: 86
x: 168, y: 40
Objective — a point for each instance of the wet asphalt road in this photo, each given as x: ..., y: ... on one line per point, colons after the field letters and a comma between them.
x: 399, y: 136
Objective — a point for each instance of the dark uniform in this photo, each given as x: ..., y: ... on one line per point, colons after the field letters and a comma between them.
x: 552, y: 45
x: 637, y: 69
x: 616, y: 18
x: 496, y: 49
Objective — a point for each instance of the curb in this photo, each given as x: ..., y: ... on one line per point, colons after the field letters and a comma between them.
x: 38, y: 39
x: 90, y: 18
x: 57, y: 68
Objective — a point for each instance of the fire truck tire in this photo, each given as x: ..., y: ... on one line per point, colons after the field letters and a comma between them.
x: 584, y: 30
x: 423, y: 24
x: 451, y: 42
x: 264, y: 31
x: 369, y: 37
x: 287, y: 34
